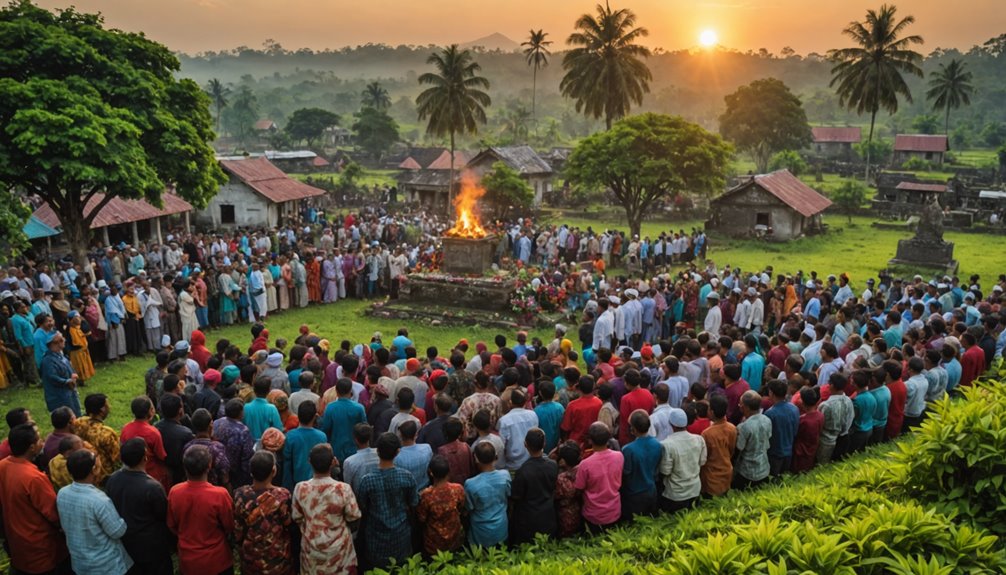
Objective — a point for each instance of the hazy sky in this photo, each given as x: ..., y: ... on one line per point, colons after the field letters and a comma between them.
x: 805, y: 25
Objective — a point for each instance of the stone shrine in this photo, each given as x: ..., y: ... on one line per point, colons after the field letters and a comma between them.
x: 928, y: 248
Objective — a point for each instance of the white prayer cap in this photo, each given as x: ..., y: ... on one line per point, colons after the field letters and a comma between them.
x: 941, y: 286
x: 809, y: 330
x: 714, y: 282
x: 631, y: 292
x: 737, y: 291
x: 752, y: 291
x: 713, y: 295
x: 811, y: 284
x: 997, y: 287
x: 765, y: 279
x: 165, y: 340
x: 614, y: 299
x: 969, y: 296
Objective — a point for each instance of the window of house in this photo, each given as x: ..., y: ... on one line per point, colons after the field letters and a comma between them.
x: 929, y: 156
x: 227, y: 214
x: 762, y: 219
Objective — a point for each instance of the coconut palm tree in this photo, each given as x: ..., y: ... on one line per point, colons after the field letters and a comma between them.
x: 536, y: 53
x: 950, y: 88
x: 376, y: 97
x: 870, y: 75
x: 515, y: 121
x: 218, y: 95
x: 605, y: 71
x: 455, y: 101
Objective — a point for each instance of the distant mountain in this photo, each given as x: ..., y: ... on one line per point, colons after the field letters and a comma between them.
x: 495, y: 41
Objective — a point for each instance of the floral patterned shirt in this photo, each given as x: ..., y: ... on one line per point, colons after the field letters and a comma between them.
x: 323, y: 508
x: 475, y: 403
x: 262, y: 523
x: 567, y: 504
x: 105, y: 441
x: 440, y: 508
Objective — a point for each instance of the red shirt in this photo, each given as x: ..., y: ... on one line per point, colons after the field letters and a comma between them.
x: 777, y: 356
x: 638, y: 398
x: 808, y: 434
x: 972, y: 364
x: 202, y: 516
x: 896, y: 411
x: 734, y: 393
x: 580, y: 413
x: 699, y: 425
x: 156, y: 455
x: 30, y: 518
x: 4, y: 450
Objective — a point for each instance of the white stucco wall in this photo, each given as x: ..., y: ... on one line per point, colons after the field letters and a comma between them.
x: 250, y: 208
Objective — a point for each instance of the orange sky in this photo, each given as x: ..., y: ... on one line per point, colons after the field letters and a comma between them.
x: 805, y: 25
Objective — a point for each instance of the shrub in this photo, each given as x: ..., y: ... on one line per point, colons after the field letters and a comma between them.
x: 789, y: 160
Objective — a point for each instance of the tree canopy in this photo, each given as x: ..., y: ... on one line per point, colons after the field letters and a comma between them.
x: 308, y: 124
x: 375, y: 96
x: 376, y: 131
x: 648, y: 158
x: 90, y: 111
x: 763, y: 118
x: 605, y: 71
x: 506, y: 189
x: 950, y: 88
x: 240, y: 116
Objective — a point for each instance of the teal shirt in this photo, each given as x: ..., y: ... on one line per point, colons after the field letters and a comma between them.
x: 337, y: 423
x: 486, y: 498
x: 882, y: 395
x: 864, y: 405
x: 751, y: 370
x: 549, y: 418
x: 296, y: 467
x: 260, y: 415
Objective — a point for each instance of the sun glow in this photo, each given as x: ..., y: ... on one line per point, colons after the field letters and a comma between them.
x: 708, y: 38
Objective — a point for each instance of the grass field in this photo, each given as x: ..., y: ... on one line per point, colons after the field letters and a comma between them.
x: 369, y: 179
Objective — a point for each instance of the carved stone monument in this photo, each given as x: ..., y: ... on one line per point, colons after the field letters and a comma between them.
x: 927, y: 248
x: 464, y: 256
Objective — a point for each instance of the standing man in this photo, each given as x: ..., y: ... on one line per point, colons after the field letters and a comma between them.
x: 386, y: 497
x: 785, y: 418
x: 513, y: 429
x: 202, y: 517
x: 92, y: 526
x: 754, y: 435
x: 532, y: 492
x: 684, y: 454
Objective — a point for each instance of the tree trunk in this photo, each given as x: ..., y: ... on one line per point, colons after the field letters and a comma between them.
x: 869, y: 146
x: 450, y: 183
x: 635, y: 218
x: 534, y: 93
x: 78, y: 233
x: 946, y: 124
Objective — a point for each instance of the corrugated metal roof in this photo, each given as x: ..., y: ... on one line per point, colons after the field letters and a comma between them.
x: 920, y: 187
x: 788, y: 189
x: 35, y: 229
x: 320, y: 162
x: 265, y: 178
x: 521, y: 158
x: 825, y: 135
x: 920, y: 143
x: 426, y: 178
x: 293, y: 155
x: 120, y: 211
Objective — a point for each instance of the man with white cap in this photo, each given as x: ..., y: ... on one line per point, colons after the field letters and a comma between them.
x: 684, y: 454
x: 743, y: 309
x: 632, y: 313
x: 714, y: 319
x: 275, y: 372
x: 813, y: 306
x: 756, y: 315
x: 604, y: 325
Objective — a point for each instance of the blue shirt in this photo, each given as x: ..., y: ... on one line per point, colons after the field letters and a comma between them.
x: 785, y: 418
x: 486, y: 498
x: 549, y: 419
x: 337, y: 423
x: 953, y: 368
x: 416, y: 460
x: 93, y: 530
x: 40, y: 340
x: 23, y: 330
x: 296, y: 467
x: 813, y: 308
x: 639, y: 470
x: 385, y: 497
x: 358, y: 465
x: 260, y: 415
x: 751, y: 370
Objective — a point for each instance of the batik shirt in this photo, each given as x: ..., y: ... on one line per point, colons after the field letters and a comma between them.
x: 323, y: 508
x: 262, y: 523
x: 221, y: 464
x: 105, y: 441
x: 440, y: 508
x: 239, y: 446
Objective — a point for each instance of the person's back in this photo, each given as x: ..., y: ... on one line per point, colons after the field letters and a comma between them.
x: 339, y: 418
x: 754, y: 436
x: 202, y: 517
x: 299, y: 443
x: 684, y: 454
x: 513, y: 426
x: 641, y: 466
x: 440, y: 508
x: 721, y: 441
x: 549, y: 417
x: 785, y: 418
x: 599, y: 477
x: 386, y: 496
x: 324, y: 509
x: 262, y: 520
x: 533, y: 490
x: 486, y: 498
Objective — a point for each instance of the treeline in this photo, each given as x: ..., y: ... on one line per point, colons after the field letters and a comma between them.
x: 687, y: 83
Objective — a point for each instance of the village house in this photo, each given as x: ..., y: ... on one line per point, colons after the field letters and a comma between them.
x: 425, y: 174
x: 835, y: 143
x: 523, y: 160
x: 258, y: 194
x: 928, y: 148
x: 776, y: 206
x: 130, y: 221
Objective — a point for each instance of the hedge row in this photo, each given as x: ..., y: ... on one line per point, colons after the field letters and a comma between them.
x: 932, y: 503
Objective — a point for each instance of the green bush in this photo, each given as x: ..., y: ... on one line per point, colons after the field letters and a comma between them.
x: 957, y: 460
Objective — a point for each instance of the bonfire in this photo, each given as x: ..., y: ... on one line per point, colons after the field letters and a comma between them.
x: 466, y: 224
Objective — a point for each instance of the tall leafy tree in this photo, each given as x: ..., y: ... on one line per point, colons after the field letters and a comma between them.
x: 375, y: 131
x: 515, y: 121
x: 89, y: 111
x: 506, y: 190
x: 605, y: 71
x: 218, y: 96
x: 950, y: 88
x: 649, y: 158
x: 375, y: 96
x: 536, y: 54
x: 308, y: 124
x: 455, y: 101
x: 870, y: 76
x: 240, y: 116
x: 764, y: 118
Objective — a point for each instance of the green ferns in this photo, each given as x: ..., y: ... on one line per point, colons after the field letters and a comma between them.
x: 932, y: 504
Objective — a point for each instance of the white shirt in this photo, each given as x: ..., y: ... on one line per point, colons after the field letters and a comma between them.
x: 604, y: 328
x: 714, y: 320
x: 513, y: 427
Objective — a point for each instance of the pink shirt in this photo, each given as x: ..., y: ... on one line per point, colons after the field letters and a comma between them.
x: 599, y: 477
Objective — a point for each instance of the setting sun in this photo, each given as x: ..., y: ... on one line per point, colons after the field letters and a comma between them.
x: 708, y: 38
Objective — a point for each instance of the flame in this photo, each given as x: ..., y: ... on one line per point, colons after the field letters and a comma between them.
x: 467, y: 223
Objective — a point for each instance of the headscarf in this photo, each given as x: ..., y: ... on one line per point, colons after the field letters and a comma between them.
x: 230, y: 374
x: 273, y: 440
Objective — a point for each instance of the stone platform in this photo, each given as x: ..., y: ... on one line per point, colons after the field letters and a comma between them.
x: 464, y: 256
x: 917, y: 253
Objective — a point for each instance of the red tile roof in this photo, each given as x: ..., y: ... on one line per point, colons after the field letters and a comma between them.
x: 320, y: 162
x: 461, y: 159
x: 265, y: 178
x: 409, y: 164
x: 788, y: 189
x: 920, y: 143
x: 920, y: 187
x: 824, y: 135
x: 265, y: 125
x: 120, y: 211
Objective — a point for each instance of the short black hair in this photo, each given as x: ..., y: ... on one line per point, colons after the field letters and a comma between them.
x: 362, y: 433
x: 262, y: 463
x: 406, y: 398
x: 344, y: 386
x: 408, y: 429
x: 22, y: 438
x: 196, y: 461
x: 718, y: 405
x: 132, y: 451
x: 171, y: 405
x: 485, y: 453
x: 599, y: 433
x: 140, y: 406
x: 234, y: 408
x: 778, y: 388
x: 570, y: 453
x: 545, y: 389
x: 94, y: 402
x: 17, y: 416
x: 482, y: 420
x: 640, y: 422
x: 201, y: 420
x: 439, y: 467
x: 307, y: 411
x: 262, y: 386
x: 321, y: 457
x: 535, y: 439
x: 388, y: 445
x: 453, y: 428
x: 586, y: 384
x: 61, y: 417
x: 80, y: 464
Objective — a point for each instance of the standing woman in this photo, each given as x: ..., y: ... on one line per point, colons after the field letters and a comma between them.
x: 284, y: 283
x: 313, y: 278
x: 187, y: 311
x: 133, y: 322
x: 80, y: 357
x: 272, y: 303
x: 59, y: 382
x: 228, y: 297
x: 96, y: 319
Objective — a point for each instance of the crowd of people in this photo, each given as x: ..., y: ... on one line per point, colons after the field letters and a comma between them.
x: 302, y: 455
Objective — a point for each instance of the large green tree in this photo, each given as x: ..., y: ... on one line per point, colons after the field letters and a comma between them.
x: 536, y: 54
x: 870, y: 75
x: 86, y: 110
x: 648, y: 158
x: 764, y: 118
x: 605, y: 71
x: 376, y: 131
x: 375, y: 96
x: 218, y: 93
x: 308, y: 124
x: 240, y: 116
x: 506, y: 190
x: 455, y: 101
x: 950, y: 88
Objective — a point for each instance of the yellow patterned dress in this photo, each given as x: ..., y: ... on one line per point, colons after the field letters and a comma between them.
x: 80, y: 358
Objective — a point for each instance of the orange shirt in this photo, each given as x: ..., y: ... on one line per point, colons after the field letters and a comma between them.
x: 717, y: 473
x: 30, y: 519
